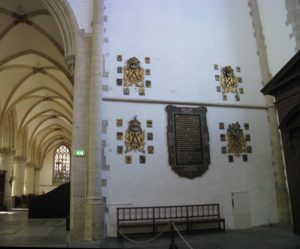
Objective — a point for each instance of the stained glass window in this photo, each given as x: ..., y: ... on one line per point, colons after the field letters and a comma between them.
x: 62, y: 162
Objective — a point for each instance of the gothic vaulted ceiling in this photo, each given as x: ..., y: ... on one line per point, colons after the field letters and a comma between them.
x: 36, y: 87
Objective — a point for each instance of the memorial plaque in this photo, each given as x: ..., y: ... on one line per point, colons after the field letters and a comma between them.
x: 188, y: 140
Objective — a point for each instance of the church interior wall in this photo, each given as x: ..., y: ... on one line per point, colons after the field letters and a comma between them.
x: 280, y: 44
x: 184, y: 40
x: 83, y: 10
x: 154, y: 183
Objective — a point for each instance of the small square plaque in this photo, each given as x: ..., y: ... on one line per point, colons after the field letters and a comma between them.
x: 142, y: 91
x: 119, y: 82
x: 119, y: 69
x: 128, y: 159
x: 126, y: 91
x: 119, y: 57
x: 119, y: 122
x: 221, y: 126
x: 222, y: 137
x: 148, y: 83
x: 149, y: 123
x: 149, y: 136
x: 119, y: 149
x: 142, y: 159
x: 249, y: 149
x: 224, y: 149
x: 150, y: 149
x: 120, y: 136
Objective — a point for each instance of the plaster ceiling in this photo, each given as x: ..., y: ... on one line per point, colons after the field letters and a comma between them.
x: 35, y: 83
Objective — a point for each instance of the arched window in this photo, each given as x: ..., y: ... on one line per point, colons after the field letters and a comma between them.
x: 62, y: 161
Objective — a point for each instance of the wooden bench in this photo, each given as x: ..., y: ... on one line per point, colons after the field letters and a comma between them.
x: 187, y: 215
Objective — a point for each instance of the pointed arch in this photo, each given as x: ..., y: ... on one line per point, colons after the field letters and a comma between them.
x: 9, y: 129
x: 68, y: 26
x: 22, y: 141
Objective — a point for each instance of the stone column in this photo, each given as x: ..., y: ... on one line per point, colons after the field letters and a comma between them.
x: 29, y: 178
x: 94, y: 227
x: 283, y: 202
x: 18, y: 177
x: 6, y: 164
x: 80, y: 137
x: 36, y: 181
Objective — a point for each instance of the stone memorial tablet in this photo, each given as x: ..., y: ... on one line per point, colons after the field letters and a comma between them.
x: 188, y: 140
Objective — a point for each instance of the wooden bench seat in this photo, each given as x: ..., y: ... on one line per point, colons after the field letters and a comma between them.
x: 156, y: 216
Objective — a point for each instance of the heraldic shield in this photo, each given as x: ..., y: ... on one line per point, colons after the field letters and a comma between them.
x: 133, y: 73
x: 134, y: 136
x: 236, y: 139
x: 229, y: 81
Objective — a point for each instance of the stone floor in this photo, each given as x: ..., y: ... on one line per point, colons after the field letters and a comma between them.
x: 18, y: 231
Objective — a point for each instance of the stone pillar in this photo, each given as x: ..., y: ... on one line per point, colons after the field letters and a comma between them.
x: 36, y: 181
x: 283, y: 202
x: 80, y: 137
x: 18, y: 177
x: 6, y: 164
x: 29, y: 178
x: 94, y: 227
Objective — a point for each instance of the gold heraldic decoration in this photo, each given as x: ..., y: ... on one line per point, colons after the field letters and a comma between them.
x: 133, y: 73
x: 229, y: 81
x: 236, y: 139
x: 134, y: 136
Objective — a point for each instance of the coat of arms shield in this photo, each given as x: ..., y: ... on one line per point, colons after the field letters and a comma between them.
x: 133, y: 73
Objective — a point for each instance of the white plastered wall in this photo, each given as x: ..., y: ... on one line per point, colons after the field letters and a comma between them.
x: 280, y: 47
x: 83, y: 11
x: 184, y: 39
x: 154, y: 183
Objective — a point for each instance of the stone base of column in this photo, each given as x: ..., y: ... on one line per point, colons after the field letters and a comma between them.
x: 283, y: 206
x: 94, y: 227
x: 77, y: 218
x: 7, y: 202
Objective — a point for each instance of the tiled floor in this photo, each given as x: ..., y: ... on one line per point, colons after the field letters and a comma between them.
x: 18, y: 231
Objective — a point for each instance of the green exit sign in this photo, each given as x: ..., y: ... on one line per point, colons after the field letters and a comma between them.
x: 79, y: 153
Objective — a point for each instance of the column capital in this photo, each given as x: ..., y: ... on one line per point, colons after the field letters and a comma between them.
x: 20, y: 158
x: 30, y: 164
x: 5, y: 151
